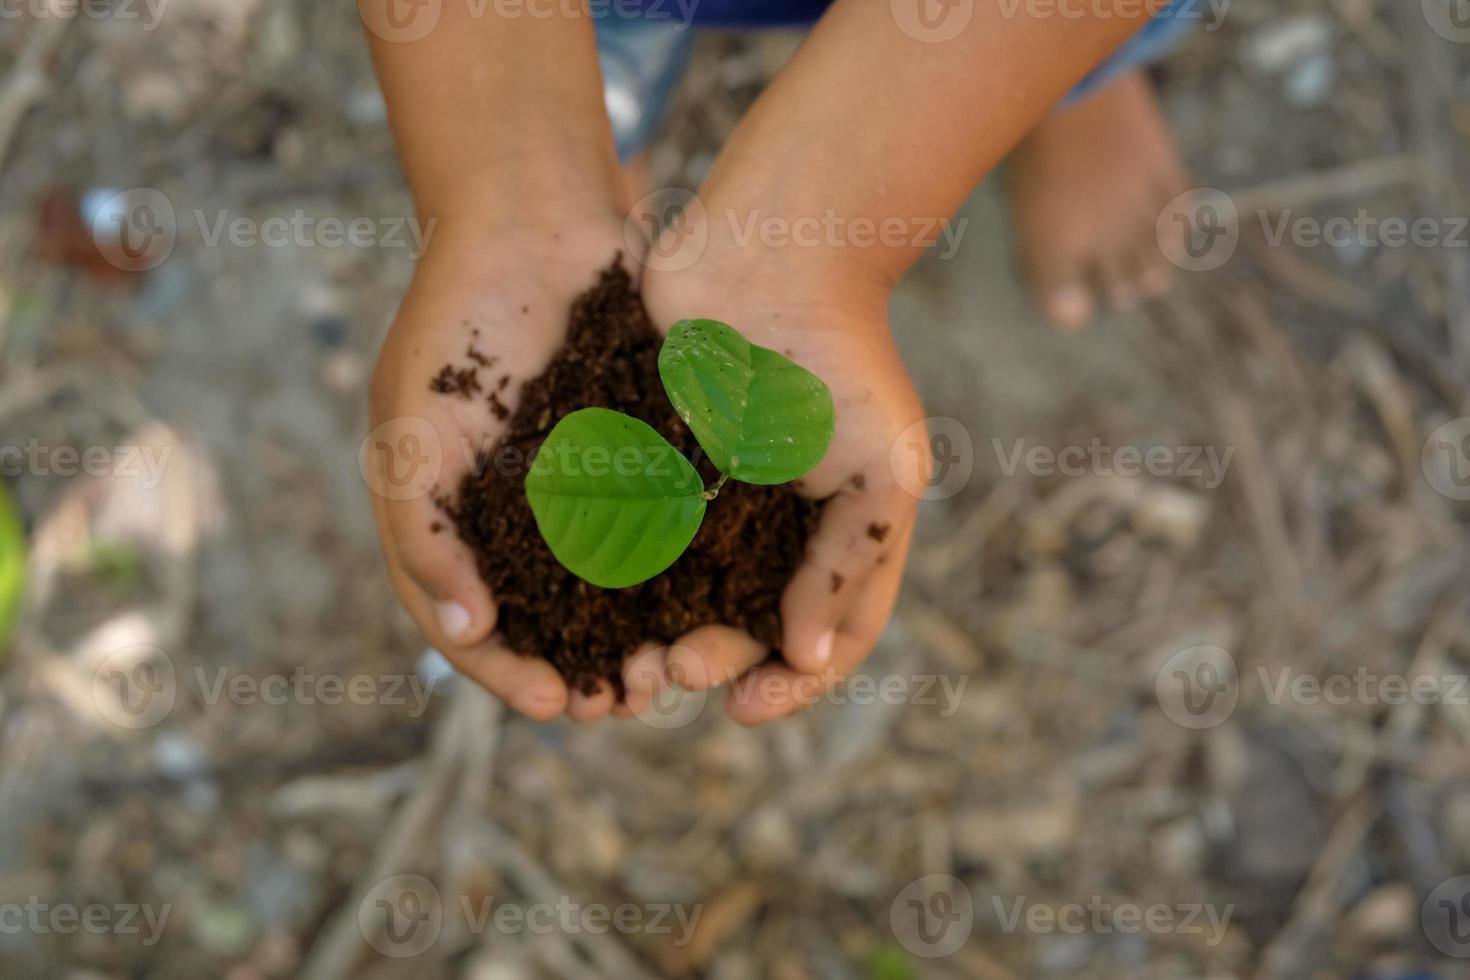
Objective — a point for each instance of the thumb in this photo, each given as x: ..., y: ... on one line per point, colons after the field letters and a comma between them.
x: 422, y: 542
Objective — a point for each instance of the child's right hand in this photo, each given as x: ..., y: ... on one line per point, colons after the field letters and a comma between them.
x: 514, y: 290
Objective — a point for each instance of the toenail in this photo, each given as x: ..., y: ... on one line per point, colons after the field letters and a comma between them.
x: 1070, y: 306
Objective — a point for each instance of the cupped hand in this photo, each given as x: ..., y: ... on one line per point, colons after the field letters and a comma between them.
x: 840, y: 599
x: 495, y: 305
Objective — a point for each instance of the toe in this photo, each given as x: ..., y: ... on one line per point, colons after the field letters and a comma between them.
x: 1069, y: 306
x: 1119, y: 274
x: 1153, y: 269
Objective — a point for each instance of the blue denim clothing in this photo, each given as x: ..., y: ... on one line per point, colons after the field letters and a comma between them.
x: 644, y: 46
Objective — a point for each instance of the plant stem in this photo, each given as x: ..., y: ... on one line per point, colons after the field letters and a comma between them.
x: 714, y: 491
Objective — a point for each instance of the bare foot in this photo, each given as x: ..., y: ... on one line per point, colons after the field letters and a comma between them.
x: 1087, y: 186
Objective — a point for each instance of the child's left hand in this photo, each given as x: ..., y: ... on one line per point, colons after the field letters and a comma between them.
x: 840, y: 599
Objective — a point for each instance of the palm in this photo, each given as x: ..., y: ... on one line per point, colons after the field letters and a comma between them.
x: 849, y: 581
x: 500, y: 315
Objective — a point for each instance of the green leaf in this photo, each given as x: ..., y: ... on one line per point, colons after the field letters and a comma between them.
x: 760, y: 417
x: 615, y: 502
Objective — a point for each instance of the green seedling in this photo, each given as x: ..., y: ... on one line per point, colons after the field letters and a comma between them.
x: 617, y: 504
x: 12, y: 567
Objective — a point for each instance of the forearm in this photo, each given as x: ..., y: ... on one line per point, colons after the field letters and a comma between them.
x: 868, y: 123
x: 499, y: 117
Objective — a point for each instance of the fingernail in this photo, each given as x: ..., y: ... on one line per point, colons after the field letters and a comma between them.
x: 822, y: 652
x: 533, y: 701
x: 454, y: 619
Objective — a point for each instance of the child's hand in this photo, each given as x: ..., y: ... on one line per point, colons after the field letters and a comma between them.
x: 506, y: 298
x: 840, y: 599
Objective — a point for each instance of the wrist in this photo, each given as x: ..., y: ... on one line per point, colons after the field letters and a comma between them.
x: 803, y: 238
x: 530, y: 190
x: 777, y: 249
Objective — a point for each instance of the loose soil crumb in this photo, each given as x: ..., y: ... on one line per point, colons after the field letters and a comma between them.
x: 751, y: 542
x: 878, y: 532
x: 498, y: 407
x: 456, y: 381
x: 837, y: 582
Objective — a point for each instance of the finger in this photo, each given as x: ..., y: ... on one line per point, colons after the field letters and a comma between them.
x: 422, y: 542
x: 645, y: 675
x: 530, y: 685
x: 1154, y: 277
x: 776, y: 690
x: 1120, y: 277
x: 591, y: 707
x: 710, y: 657
x: 860, y: 530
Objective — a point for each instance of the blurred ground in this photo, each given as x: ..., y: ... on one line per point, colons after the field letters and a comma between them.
x: 1100, y: 753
